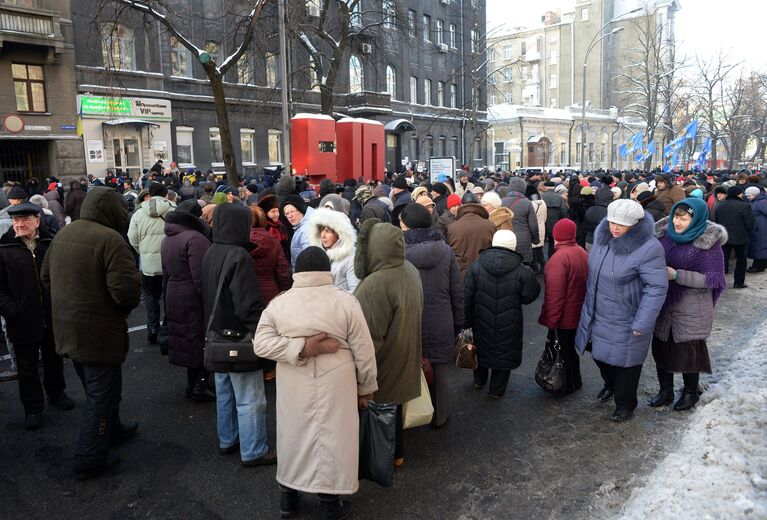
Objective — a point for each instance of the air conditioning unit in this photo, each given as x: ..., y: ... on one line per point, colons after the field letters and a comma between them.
x: 366, y: 48
x: 442, y: 47
x: 445, y: 2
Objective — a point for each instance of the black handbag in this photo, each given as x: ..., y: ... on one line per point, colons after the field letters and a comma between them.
x: 550, y: 371
x: 228, y: 350
x: 377, y: 425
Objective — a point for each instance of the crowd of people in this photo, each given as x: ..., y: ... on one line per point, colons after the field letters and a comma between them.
x: 350, y: 290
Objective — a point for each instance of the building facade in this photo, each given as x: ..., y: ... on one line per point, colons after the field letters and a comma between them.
x: 38, y: 132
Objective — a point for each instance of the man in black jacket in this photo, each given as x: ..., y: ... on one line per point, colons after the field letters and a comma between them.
x: 26, y: 307
x: 735, y: 215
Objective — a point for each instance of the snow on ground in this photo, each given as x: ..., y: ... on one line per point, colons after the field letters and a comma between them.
x: 719, y: 469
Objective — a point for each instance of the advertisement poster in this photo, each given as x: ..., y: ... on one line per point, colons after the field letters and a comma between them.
x: 95, y: 151
x: 161, y: 150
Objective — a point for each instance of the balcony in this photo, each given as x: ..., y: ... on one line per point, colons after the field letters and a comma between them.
x: 27, y: 26
x: 367, y: 102
x: 532, y: 55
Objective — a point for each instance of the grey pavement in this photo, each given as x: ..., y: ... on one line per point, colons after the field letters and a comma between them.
x: 529, y: 455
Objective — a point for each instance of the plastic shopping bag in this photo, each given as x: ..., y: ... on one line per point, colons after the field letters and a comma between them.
x: 377, y: 425
x: 419, y: 411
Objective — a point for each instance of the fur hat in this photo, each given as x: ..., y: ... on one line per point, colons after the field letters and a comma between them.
x: 268, y: 203
x: 500, y: 216
x: 625, y: 212
x: 440, y: 188
x: 732, y: 191
x: 505, y: 238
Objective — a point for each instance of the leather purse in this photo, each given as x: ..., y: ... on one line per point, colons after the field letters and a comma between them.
x: 550, y: 371
x: 465, y: 350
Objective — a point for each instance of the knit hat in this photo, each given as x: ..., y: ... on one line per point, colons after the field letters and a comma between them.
x: 416, y: 216
x: 560, y: 188
x: 23, y: 209
x: 312, y: 259
x: 453, y: 200
x: 492, y: 199
x: 505, y: 238
x: 751, y: 190
x: 440, y: 188
x: 252, y: 187
x: 586, y: 190
x: 400, y: 182
x: 17, y: 192
x: 363, y: 194
x: 190, y: 206
x: 564, y: 230
x: 625, y: 212
x: 732, y: 191
x: 295, y: 201
x: 517, y: 184
x: 639, y: 188
x: 477, y: 190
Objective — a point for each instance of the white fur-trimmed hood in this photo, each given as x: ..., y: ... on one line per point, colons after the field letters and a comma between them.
x: 338, y: 222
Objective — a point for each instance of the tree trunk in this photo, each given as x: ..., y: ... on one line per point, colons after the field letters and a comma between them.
x: 225, y: 133
x: 326, y: 97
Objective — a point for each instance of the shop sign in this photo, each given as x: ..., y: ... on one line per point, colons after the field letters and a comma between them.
x: 142, y: 108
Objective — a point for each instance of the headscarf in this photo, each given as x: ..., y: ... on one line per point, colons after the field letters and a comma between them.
x: 699, y: 220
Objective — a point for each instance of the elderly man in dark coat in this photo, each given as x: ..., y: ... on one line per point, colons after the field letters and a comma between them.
x: 735, y: 215
x: 89, y: 258
x: 525, y: 221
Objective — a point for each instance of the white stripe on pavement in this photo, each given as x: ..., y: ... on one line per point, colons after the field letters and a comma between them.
x: 139, y: 327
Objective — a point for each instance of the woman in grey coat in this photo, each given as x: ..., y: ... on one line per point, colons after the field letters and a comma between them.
x: 626, y: 289
x: 525, y: 221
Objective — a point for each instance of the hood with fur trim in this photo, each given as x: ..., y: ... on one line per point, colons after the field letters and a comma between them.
x: 379, y: 246
x: 714, y: 233
x: 629, y: 242
x: 338, y: 222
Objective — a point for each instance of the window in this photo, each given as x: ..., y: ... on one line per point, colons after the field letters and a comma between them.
x: 507, y: 97
x: 453, y: 146
x: 602, y: 152
x: 313, y: 8
x: 491, y: 55
x: 355, y: 18
x: 389, y: 14
x: 440, y: 93
x: 427, y: 92
x: 426, y: 27
x: 491, y: 79
x: 493, y: 99
x: 246, y: 145
x: 553, y: 81
x: 439, y: 30
x: 474, y: 41
x: 414, y: 147
x: 212, y: 48
x: 275, y: 149
x: 118, y: 47
x: 391, y: 82
x: 185, y: 146
x: 244, y: 69
x: 578, y: 153
x: 356, y: 75
x: 412, y: 28
x: 452, y: 36
x: 216, y: 152
x: 499, y: 151
x: 508, y: 52
x: 442, y: 146
x: 508, y: 75
x: 453, y: 96
x: 553, y: 102
x: 553, y: 57
x: 413, y: 89
x: 562, y: 153
x: 272, y: 70
x: 29, y: 85
x: 477, y: 149
x: 180, y: 59
x: 523, y: 47
x: 584, y: 14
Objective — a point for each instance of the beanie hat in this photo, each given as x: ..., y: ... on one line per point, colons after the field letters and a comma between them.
x: 312, y: 259
x: 751, y: 190
x: 492, y: 199
x: 617, y: 192
x: 625, y: 212
x: 224, y: 189
x: 644, y: 196
x: 190, y: 206
x: 564, y: 230
x: 416, y: 216
x: 453, y: 200
x: 439, y: 188
x: 350, y: 183
x: 157, y: 190
x: 517, y: 184
x: 477, y: 190
x: 295, y: 201
x: 586, y: 190
x: 363, y: 194
x: 52, y: 186
x: 252, y: 187
x: 505, y: 238
x: 17, y: 193
x: 400, y: 183
x: 732, y: 191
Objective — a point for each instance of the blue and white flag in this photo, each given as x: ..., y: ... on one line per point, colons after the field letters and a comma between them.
x: 636, y: 141
x: 707, y: 144
x: 650, y: 149
x: 691, y: 130
x: 667, y: 168
x: 622, y: 150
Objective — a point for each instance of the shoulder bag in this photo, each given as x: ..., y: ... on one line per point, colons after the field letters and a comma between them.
x: 550, y: 371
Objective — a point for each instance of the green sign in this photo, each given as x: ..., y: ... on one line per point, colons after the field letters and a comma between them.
x: 97, y: 105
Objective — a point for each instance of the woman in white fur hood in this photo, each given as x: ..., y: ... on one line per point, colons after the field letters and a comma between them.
x: 333, y: 232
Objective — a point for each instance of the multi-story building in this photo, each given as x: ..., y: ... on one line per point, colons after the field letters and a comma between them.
x: 143, y: 96
x: 37, y: 91
x: 540, y: 70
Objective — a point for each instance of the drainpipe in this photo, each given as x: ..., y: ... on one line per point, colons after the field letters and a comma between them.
x: 572, y: 62
x: 463, y: 91
x: 522, y: 143
x: 569, y: 143
x: 612, y: 144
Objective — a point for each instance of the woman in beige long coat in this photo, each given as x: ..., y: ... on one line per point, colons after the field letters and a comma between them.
x: 319, y: 384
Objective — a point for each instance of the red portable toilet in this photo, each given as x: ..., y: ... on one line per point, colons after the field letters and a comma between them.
x: 349, y: 152
x: 372, y: 149
x: 313, y: 146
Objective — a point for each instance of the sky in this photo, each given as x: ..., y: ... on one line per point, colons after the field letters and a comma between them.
x: 737, y: 27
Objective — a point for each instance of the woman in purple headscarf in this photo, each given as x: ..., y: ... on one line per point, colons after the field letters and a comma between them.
x: 695, y: 263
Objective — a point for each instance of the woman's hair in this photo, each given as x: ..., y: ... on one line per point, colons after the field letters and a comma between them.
x: 259, y: 217
x: 328, y: 228
x: 682, y: 210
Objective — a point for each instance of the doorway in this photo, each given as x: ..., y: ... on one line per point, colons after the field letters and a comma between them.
x: 393, y: 156
x: 127, y: 152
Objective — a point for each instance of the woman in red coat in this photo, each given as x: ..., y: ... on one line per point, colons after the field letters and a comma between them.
x: 271, y: 265
x: 565, y: 277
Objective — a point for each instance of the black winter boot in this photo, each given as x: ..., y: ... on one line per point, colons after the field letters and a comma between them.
x: 200, y: 391
x: 666, y: 394
x: 332, y: 508
x: 687, y: 401
x: 288, y: 502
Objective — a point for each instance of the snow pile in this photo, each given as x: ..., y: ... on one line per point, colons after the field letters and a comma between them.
x: 719, y: 469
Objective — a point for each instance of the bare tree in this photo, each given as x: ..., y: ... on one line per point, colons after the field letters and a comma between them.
x: 241, y: 20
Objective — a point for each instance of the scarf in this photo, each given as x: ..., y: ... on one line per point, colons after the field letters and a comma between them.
x: 690, y: 258
x: 275, y: 230
x: 699, y: 220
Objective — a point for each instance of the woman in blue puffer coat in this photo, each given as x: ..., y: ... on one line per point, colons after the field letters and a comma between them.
x: 626, y: 290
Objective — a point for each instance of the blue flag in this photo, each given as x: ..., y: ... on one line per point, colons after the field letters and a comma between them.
x: 691, y: 130
x: 650, y: 149
x: 706, y: 146
x: 636, y: 141
x: 668, y: 150
x: 667, y: 168
x: 622, y: 150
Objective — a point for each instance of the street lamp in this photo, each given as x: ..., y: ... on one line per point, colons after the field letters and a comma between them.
x: 598, y: 37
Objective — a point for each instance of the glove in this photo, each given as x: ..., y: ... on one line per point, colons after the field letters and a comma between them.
x: 319, y: 344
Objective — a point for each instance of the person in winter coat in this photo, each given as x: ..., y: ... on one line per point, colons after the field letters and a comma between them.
x: 74, y: 200
x: 627, y: 275
x: 47, y: 219
x: 271, y: 207
x: 90, y: 258
x: 55, y: 206
x: 651, y: 205
x: 596, y: 213
x: 391, y: 297
x: 332, y: 231
x: 272, y: 267
x: 449, y: 216
x: 737, y: 218
x: 539, y: 208
x: 440, y: 193
x: 319, y: 388
x: 578, y: 211
x: 469, y: 234
x: 695, y: 266
x: 240, y: 397
x: 442, y: 317
x: 667, y: 192
x: 372, y: 206
x: 556, y: 209
x: 400, y: 197
x: 757, y: 241
x: 146, y: 233
x: 525, y: 221
x: 565, y: 277
x: 182, y: 251
x: 26, y: 307
x: 495, y: 288
x: 327, y: 187
x: 298, y: 214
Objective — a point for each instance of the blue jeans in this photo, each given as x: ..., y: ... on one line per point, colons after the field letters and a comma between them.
x: 152, y: 287
x: 241, y: 412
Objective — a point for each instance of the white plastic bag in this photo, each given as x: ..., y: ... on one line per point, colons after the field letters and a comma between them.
x: 419, y: 411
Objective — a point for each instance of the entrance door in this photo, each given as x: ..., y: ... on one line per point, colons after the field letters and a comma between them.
x: 393, y: 154
x: 127, y: 156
